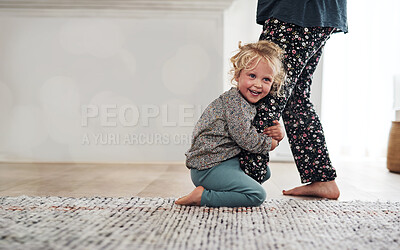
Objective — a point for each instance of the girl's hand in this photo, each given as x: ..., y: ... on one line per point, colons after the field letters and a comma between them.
x: 275, y: 131
x: 274, y: 144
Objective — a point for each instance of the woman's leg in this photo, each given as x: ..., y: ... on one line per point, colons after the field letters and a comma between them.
x: 226, y: 185
x: 307, y: 140
x: 304, y: 130
x: 300, y: 44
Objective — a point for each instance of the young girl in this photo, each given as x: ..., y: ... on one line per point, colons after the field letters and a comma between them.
x: 225, y: 128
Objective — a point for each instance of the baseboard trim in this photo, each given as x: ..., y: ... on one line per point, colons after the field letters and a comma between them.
x: 93, y: 163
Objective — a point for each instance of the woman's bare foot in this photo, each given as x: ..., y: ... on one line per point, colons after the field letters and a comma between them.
x: 327, y: 189
x: 192, y: 199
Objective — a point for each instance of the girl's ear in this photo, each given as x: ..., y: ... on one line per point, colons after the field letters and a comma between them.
x: 237, y: 77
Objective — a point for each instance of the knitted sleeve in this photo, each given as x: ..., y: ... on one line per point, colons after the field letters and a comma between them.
x: 239, y: 115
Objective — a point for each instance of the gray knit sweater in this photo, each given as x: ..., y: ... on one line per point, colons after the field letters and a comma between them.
x: 224, y: 128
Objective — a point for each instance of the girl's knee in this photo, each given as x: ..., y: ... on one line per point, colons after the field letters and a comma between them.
x: 259, y: 196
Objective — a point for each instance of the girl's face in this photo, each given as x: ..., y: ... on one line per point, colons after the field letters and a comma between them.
x: 255, y: 84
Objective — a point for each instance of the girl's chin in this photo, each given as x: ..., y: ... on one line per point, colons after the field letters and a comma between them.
x: 253, y: 100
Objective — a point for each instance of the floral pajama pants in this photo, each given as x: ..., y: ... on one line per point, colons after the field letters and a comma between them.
x: 303, y: 48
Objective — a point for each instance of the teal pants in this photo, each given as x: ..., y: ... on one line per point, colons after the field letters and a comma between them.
x: 226, y: 185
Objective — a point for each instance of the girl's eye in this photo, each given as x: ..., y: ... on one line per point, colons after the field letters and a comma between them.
x: 252, y: 76
x: 267, y: 80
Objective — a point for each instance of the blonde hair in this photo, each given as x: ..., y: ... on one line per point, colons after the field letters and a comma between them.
x: 251, y: 54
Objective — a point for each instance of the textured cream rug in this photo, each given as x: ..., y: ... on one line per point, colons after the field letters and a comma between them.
x: 156, y: 223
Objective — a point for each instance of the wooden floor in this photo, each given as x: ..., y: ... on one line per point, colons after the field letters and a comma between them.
x: 369, y: 181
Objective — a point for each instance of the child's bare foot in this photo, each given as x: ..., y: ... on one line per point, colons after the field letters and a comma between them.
x: 192, y: 199
x: 327, y: 189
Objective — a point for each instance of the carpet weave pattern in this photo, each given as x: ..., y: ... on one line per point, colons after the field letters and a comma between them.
x: 156, y: 223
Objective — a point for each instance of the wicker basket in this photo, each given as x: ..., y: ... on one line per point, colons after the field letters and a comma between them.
x: 393, y: 154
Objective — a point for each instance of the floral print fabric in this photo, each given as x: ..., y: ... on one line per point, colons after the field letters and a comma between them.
x: 303, y: 47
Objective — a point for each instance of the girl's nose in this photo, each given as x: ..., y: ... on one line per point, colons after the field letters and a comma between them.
x: 258, y: 85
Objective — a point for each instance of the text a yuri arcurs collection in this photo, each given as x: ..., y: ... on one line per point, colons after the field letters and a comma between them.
x: 111, y: 124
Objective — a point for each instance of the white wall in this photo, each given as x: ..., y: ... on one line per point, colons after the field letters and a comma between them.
x: 360, y: 67
x: 66, y: 82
